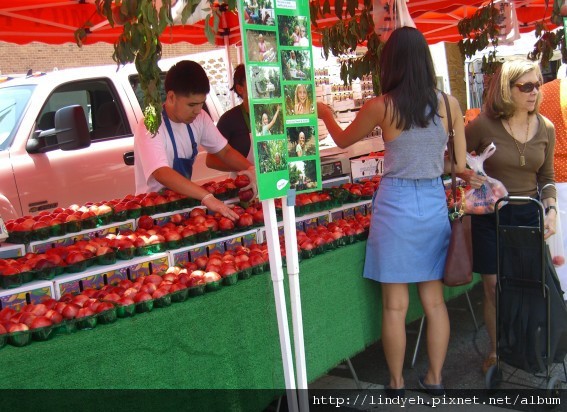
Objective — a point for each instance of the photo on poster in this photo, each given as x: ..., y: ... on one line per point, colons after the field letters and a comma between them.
x: 265, y: 82
x: 258, y: 12
x: 299, y: 99
x: 272, y: 155
x: 293, y: 31
x: 268, y: 119
x: 301, y: 141
x: 303, y: 175
x: 261, y: 46
x: 296, y: 64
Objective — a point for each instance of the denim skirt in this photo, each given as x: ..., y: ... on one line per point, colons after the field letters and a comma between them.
x: 409, y: 231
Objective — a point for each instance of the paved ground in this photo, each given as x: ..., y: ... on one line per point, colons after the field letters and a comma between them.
x: 462, y: 374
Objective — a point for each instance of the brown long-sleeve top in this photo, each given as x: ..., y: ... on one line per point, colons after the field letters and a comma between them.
x: 504, y: 164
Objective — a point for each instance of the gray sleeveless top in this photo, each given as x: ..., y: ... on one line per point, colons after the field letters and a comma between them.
x: 416, y: 153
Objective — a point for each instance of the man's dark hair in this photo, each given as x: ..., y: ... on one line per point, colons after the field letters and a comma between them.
x: 238, y: 78
x: 187, y: 77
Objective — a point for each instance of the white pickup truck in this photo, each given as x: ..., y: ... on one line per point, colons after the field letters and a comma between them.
x: 66, y: 137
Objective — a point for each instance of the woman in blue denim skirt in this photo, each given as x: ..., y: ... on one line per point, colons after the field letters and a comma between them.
x: 409, y: 233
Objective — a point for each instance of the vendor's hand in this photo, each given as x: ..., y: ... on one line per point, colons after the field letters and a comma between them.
x: 251, y: 174
x: 216, y: 205
x: 549, y: 224
x: 473, y: 179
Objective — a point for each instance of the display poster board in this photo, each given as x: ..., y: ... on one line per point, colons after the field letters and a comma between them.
x: 276, y: 37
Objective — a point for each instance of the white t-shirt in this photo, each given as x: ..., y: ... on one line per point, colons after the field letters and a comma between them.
x: 151, y: 153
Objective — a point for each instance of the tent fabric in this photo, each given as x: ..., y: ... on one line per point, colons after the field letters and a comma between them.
x: 438, y: 19
x: 55, y: 21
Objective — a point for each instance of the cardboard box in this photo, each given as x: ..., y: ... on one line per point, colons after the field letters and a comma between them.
x: 32, y: 292
x: 187, y: 254
x: 161, y: 219
x: 301, y: 223
x: 98, y: 276
x: 10, y: 250
x: 365, y: 167
x: 41, y: 246
x: 351, y: 209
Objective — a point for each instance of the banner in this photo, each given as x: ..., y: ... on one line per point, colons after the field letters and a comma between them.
x: 276, y: 37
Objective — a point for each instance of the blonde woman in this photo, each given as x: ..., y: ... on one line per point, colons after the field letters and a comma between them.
x: 302, y: 103
x: 523, y: 162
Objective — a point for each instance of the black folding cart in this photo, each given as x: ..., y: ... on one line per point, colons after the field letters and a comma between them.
x: 531, y: 315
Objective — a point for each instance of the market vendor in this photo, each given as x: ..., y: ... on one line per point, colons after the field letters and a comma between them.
x: 234, y: 124
x: 166, y: 160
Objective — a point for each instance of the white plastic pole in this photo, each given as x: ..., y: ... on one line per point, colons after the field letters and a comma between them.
x: 292, y: 264
x: 226, y: 40
x: 273, y: 242
x: 468, y: 83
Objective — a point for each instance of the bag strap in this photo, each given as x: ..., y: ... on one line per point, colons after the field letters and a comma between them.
x: 451, y: 148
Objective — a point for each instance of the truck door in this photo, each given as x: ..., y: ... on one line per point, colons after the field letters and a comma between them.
x: 60, y: 178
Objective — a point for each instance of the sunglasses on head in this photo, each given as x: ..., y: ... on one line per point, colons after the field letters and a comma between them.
x: 528, y: 87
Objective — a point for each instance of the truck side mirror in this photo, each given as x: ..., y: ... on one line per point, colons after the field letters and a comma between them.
x: 71, y: 128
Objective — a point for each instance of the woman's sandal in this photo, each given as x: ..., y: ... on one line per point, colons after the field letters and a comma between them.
x: 432, y: 389
x: 394, y: 392
x: 488, y: 363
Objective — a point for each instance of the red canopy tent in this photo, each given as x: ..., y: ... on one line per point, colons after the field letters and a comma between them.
x: 55, y: 21
x: 438, y: 19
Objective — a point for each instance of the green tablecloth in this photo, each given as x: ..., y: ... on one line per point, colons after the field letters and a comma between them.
x: 224, y: 340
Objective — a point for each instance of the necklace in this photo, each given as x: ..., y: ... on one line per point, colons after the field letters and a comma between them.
x: 521, y: 152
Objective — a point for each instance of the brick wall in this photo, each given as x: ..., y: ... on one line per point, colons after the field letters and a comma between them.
x: 42, y: 57
x: 456, y: 68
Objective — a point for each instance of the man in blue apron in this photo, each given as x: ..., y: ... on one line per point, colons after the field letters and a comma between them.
x: 166, y: 160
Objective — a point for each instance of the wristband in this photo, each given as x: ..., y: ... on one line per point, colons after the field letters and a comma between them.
x: 205, y: 198
x: 548, y: 208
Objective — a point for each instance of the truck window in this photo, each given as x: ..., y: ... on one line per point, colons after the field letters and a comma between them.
x: 13, y: 101
x: 105, y: 118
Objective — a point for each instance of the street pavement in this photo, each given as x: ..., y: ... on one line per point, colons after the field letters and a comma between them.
x: 462, y: 375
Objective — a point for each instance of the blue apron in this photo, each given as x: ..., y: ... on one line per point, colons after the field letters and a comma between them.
x: 182, y: 166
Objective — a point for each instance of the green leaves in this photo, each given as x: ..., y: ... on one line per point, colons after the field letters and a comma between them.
x: 152, y: 118
x: 347, y: 34
x: 351, y: 7
x: 314, y: 8
x: 339, y: 4
x: 80, y: 36
x: 480, y: 31
x: 143, y: 23
x: 546, y: 43
x: 326, y: 7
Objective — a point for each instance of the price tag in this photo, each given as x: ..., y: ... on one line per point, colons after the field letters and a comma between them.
x: 3, y: 231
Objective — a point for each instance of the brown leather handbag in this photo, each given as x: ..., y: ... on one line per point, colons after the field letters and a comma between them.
x: 458, y: 266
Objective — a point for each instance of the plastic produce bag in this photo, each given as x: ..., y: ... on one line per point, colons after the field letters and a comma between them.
x: 555, y: 241
x: 507, y: 21
x: 403, y: 17
x: 481, y: 201
x: 382, y: 16
x: 388, y: 15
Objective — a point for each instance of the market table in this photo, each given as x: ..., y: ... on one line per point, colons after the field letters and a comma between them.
x: 226, y: 339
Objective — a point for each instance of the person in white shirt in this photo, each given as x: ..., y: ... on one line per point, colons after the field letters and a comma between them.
x: 166, y: 159
x: 303, y: 40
